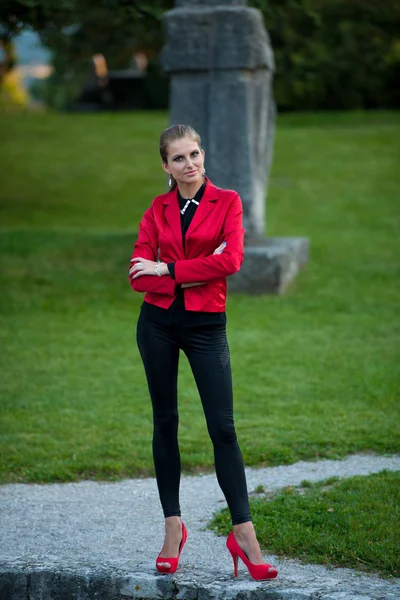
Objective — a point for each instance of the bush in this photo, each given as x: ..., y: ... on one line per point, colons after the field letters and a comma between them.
x: 334, y: 54
x: 156, y: 86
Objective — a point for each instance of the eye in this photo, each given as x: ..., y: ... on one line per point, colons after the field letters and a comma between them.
x: 195, y: 153
x: 177, y: 158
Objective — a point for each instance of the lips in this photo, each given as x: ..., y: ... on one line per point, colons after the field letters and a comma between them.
x: 191, y: 172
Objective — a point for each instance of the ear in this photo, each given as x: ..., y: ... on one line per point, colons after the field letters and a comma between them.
x: 166, y: 168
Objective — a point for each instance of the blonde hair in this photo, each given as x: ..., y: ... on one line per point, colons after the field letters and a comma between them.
x: 176, y: 132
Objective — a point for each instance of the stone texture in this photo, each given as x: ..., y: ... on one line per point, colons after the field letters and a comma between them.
x: 70, y: 584
x: 13, y: 584
x: 144, y: 585
x: 221, y: 84
x: 269, y: 266
x: 221, y: 64
x: 216, y: 39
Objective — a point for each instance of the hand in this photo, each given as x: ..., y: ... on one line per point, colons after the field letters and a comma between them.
x: 142, y: 266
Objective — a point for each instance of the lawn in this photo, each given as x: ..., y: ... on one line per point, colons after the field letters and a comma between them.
x: 316, y: 372
x: 347, y: 523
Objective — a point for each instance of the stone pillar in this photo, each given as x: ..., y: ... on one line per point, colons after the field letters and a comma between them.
x: 221, y: 65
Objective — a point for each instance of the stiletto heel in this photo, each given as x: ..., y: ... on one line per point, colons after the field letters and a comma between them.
x: 235, y: 564
x: 172, y: 561
x: 258, y: 572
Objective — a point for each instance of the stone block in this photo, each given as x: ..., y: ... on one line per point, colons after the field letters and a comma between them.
x: 234, y: 131
x: 13, y: 584
x: 147, y: 587
x: 270, y: 267
x: 81, y: 584
x: 217, y: 38
x: 221, y: 65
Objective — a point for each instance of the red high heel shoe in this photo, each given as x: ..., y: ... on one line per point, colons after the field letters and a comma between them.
x: 258, y: 572
x: 172, y: 561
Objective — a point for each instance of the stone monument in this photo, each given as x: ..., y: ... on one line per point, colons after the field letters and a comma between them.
x: 221, y: 65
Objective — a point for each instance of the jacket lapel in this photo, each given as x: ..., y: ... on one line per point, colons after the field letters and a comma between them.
x: 173, y: 217
x: 206, y: 205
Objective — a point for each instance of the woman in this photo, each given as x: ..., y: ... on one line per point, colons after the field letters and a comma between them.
x: 190, y: 240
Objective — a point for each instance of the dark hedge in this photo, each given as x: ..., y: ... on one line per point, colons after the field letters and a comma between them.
x: 335, y: 54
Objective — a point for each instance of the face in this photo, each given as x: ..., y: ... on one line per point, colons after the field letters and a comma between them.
x: 185, y: 161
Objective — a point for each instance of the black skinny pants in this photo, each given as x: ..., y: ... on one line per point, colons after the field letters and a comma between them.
x: 206, y: 348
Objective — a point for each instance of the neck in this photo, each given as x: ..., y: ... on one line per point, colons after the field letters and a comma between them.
x: 189, y: 190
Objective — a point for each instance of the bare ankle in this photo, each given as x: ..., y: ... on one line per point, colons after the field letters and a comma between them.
x: 244, y: 530
x: 173, y: 522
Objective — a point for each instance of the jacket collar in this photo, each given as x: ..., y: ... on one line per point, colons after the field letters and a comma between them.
x: 210, y: 193
x: 206, y: 205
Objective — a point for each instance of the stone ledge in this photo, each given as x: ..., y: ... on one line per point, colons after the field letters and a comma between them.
x: 51, y: 582
x: 95, y: 583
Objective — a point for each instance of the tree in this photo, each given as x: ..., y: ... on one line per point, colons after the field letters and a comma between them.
x: 74, y: 30
x: 328, y: 53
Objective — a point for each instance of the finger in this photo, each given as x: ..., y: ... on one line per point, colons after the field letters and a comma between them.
x: 137, y: 259
x: 137, y: 274
x: 139, y: 266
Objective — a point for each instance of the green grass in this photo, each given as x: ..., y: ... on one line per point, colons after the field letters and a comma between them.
x: 90, y: 172
x: 353, y: 522
x: 315, y: 372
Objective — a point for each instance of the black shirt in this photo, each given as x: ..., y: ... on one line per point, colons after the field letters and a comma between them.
x: 177, y: 314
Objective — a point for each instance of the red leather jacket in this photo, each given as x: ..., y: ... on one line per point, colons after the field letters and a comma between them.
x: 218, y: 218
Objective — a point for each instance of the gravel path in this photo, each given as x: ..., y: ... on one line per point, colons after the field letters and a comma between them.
x: 114, y: 530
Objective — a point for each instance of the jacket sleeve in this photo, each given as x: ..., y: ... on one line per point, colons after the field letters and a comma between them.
x: 216, y: 266
x: 147, y: 247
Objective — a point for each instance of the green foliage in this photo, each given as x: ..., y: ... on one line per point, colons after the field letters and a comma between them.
x: 156, y: 86
x: 74, y: 30
x: 334, y: 54
x: 105, y: 22
x: 330, y: 54
x: 352, y: 522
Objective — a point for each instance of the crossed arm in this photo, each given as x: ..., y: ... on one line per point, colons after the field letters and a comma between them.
x: 143, y: 266
x: 225, y: 260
